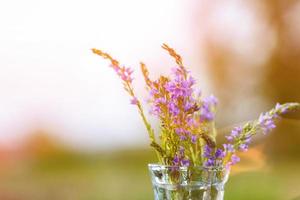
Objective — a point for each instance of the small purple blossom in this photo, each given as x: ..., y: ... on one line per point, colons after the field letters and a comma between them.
x: 206, y: 108
x: 206, y: 114
x: 247, y: 140
x: 229, y: 138
x: 180, y: 159
x: 153, y: 92
x: 207, y: 151
x: 209, y: 162
x: 183, y: 134
x: 212, y: 157
x: 185, y: 162
x: 160, y: 100
x: 176, y: 71
x: 182, y: 137
x: 179, y: 131
x: 176, y: 160
x: 228, y: 147
x: 188, y: 105
x: 266, y: 123
x: 180, y: 86
x: 155, y: 110
x: 134, y: 101
x: 220, y: 153
x: 173, y: 109
x: 281, y: 108
x: 236, y: 131
x: 190, y: 121
x: 125, y: 73
x: 194, y: 139
x: 235, y: 159
x: 211, y: 100
x: 243, y: 147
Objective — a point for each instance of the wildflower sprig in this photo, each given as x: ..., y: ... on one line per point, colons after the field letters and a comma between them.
x: 187, y: 119
x: 241, y: 136
x: 125, y: 74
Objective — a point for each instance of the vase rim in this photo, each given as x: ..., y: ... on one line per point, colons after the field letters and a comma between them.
x: 212, y: 168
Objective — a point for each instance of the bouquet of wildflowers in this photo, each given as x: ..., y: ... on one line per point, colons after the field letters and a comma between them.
x: 187, y: 128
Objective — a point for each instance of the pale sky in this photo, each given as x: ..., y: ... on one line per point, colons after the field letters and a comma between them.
x: 50, y: 79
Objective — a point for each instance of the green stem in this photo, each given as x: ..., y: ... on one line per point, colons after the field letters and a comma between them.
x: 193, y: 155
x: 141, y: 111
x: 146, y: 123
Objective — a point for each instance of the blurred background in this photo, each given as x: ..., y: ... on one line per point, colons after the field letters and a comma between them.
x: 67, y: 130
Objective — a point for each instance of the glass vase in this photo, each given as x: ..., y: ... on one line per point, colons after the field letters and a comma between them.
x: 188, y: 183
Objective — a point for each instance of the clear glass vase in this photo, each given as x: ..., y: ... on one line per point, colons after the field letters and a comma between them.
x: 188, y: 183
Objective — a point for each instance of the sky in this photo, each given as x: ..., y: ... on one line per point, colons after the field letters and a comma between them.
x: 50, y: 79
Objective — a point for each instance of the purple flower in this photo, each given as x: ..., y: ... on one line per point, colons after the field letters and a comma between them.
x: 134, y: 101
x: 209, y: 162
x: 178, y: 131
x: 190, y: 121
x: 206, y: 108
x: 155, y: 110
x: 247, y: 140
x: 176, y: 160
x: 234, y: 159
x: 160, y: 100
x: 194, y: 139
x: 180, y: 87
x: 180, y: 159
x: 188, y: 106
x: 176, y: 71
x: 153, y: 92
x: 124, y: 73
x: 236, y: 131
x: 206, y: 114
x: 211, y: 100
x: 281, y: 108
x: 207, y: 151
x: 269, y: 125
x: 228, y: 147
x: 170, y: 86
x: 185, y: 162
x: 213, y: 157
x: 173, y: 109
x: 266, y: 123
x: 243, y: 147
x: 182, y: 133
x: 182, y: 137
x: 220, y: 153
x: 229, y: 138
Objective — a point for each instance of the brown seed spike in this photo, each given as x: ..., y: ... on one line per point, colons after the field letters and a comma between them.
x: 177, y: 57
x: 173, y: 53
x: 145, y: 74
x: 106, y: 56
x: 209, y: 141
x: 158, y: 149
